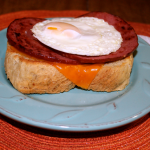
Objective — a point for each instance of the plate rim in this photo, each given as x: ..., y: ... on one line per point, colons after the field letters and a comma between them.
x: 74, y: 128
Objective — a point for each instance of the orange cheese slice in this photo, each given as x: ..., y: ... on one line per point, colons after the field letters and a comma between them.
x: 81, y: 75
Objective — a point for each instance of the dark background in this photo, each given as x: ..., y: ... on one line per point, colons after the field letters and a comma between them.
x: 129, y: 10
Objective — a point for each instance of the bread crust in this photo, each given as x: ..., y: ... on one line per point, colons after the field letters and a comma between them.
x: 31, y: 75
x: 114, y: 76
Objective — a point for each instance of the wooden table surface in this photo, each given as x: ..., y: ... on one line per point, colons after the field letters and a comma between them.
x: 129, y: 10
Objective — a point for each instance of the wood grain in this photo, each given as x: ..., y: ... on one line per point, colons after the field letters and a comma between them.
x: 130, y: 10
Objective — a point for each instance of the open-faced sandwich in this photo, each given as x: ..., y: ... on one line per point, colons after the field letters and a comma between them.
x: 92, y: 52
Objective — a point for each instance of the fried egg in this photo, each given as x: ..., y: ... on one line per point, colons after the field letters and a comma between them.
x: 82, y: 36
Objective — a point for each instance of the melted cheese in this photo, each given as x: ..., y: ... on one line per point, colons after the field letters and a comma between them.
x: 81, y: 75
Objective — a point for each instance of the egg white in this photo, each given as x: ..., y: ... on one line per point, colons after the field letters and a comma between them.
x: 93, y: 36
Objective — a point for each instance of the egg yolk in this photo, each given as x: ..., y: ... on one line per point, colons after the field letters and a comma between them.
x: 62, y: 29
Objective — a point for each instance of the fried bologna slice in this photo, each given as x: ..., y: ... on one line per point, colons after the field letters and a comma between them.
x: 31, y: 75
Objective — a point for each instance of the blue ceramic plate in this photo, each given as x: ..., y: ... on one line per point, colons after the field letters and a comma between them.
x: 80, y: 110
